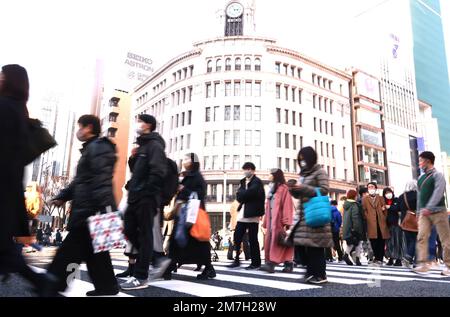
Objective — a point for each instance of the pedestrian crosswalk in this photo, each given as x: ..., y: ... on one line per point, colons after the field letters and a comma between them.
x: 240, y: 282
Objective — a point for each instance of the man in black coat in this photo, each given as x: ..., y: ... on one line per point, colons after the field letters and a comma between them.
x: 91, y: 192
x: 251, y: 197
x: 149, y: 166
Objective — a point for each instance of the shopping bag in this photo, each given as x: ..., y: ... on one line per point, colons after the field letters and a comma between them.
x: 201, y: 229
x: 106, y: 231
x: 317, y: 211
x: 192, y: 209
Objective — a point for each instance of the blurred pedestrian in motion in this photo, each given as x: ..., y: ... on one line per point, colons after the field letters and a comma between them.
x: 14, y: 92
x: 353, y: 230
x: 336, y: 224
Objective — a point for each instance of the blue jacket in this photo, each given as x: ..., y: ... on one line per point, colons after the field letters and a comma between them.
x: 336, y: 221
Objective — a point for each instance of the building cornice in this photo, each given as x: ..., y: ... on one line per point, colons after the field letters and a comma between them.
x: 234, y: 39
x: 291, y: 53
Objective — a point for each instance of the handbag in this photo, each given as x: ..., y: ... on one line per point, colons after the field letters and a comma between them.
x: 192, y: 209
x: 409, y: 223
x: 201, y: 229
x: 106, y: 231
x: 39, y: 141
x: 286, y: 238
x: 317, y: 211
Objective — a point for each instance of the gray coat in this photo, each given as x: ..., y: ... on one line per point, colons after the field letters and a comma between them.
x: 303, y: 235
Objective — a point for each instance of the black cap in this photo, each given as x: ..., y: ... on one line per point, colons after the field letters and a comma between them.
x: 148, y: 119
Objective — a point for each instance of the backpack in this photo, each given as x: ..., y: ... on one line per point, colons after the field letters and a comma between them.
x: 170, y: 186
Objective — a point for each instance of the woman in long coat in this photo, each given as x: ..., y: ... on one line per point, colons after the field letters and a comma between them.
x: 195, y: 252
x: 314, y: 240
x: 278, y: 217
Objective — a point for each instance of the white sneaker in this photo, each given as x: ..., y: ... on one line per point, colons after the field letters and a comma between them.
x: 446, y: 272
x: 422, y: 269
x: 134, y: 283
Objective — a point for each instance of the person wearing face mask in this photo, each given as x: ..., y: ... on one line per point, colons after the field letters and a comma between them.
x: 432, y: 212
x: 148, y: 166
x: 375, y: 213
x: 278, y: 217
x: 91, y: 191
x: 395, y: 249
x: 313, y: 241
x: 251, y: 197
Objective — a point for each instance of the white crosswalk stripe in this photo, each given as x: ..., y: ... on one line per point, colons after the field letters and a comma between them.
x: 235, y: 281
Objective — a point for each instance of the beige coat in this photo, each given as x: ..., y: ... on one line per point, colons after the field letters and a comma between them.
x: 375, y: 209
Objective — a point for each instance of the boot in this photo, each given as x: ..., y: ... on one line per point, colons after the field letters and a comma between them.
x: 398, y: 262
x: 236, y: 263
x: 288, y: 267
x: 207, y: 273
x: 198, y: 268
x: 347, y: 260
x: 390, y: 262
x: 358, y: 262
x: 269, y: 267
x: 129, y: 272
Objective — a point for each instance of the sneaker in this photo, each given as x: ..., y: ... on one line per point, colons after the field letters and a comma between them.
x: 446, y: 272
x: 422, y: 269
x: 236, y: 263
x: 318, y: 280
x: 102, y: 293
x: 161, y: 268
x: 347, y: 259
x: 398, y: 262
x: 288, y: 267
x: 358, y: 262
x: 198, y: 268
x: 252, y: 267
x: 134, y: 283
x: 206, y: 274
x: 308, y: 278
x: 390, y: 262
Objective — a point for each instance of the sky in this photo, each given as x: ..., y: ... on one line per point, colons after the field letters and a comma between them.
x: 58, y: 41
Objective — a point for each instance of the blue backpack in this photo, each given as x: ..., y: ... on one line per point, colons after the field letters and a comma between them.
x: 317, y: 211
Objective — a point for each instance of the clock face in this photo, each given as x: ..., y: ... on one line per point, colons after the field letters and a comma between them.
x: 235, y: 10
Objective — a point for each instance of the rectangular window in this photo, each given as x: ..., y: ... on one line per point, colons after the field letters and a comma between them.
x: 328, y: 152
x: 326, y: 127
x: 208, y: 91
x: 226, y: 162
x: 237, y: 89
x: 188, y: 141
x: 293, y: 71
x: 286, y: 140
x: 325, y: 102
x: 237, y: 137
x: 248, y: 89
x: 278, y: 115
x: 207, y: 138
x: 332, y: 150
x: 206, y: 163
x: 184, y: 95
x: 183, y: 117
x: 278, y: 92
x: 343, y: 152
x: 248, y: 137
x: 216, y: 138
x: 248, y: 158
x: 257, y: 161
x: 299, y: 73
x: 178, y: 120
x: 227, y: 137
x: 343, y: 131
x: 285, y: 69
x: 208, y: 114
x: 236, y: 162
x: 287, y: 167
x: 237, y: 113
x: 181, y: 143
x: 329, y: 84
x: 227, y: 89
x: 314, y: 101
x: 257, y: 137
x: 320, y: 125
x: 301, y: 142
x: 248, y: 113
x: 331, y: 106
x: 294, y: 116
x: 257, y: 89
x: 227, y: 115
x: 176, y: 144
x: 257, y: 113
x: 321, y: 148
x: 300, y: 119
x: 278, y: 139
x: 332, y: 129
x: 294, y: 142
x: 278, y: 68
x: 216, y: 89
x: 328, y: 171
x: 345, y: 174
x: 300, y: 92
x: 334, y: 172
x: 315, y: 145
x: 170, y: 145
x: 286, y: 92
x: 216, y: 113
x: 286, y: 116
x: 320, y: 103
x: 279, y: 163
x: 189, y: 117
x: 293, y: 94
x: 315, y: 125
x: 295, y: 166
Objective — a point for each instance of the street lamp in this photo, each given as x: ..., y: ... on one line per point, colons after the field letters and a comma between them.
x: 224, y: 202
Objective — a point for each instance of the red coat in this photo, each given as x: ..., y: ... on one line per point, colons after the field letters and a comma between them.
x: 281, y: 215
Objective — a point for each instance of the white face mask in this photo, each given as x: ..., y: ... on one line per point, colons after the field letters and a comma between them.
x: 372, y: 192
x: 248, y: 174
x: 388, y: 196
x: 303, y: 164
x: 80, y: 136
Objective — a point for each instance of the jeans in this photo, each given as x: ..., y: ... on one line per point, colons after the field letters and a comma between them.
x: 411, y: 238
x: 432, y: 245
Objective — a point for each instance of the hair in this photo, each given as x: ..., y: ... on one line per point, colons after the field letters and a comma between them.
x: 372, y: 183
x: 195, y: 161
x: 249, y: 165
x: 89, y: 119
x: 278, y: 178
x: 16, y: 84
x: 334, y: 203
x: 387, y: 190
x: 149, y: 119
x: 309, y: 156
x: 428, y: 156
x: 411, y: 186
x: 362, y: 191
x: 351, y: 194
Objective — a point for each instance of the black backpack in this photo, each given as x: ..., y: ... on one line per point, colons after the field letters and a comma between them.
x: 170, y: 186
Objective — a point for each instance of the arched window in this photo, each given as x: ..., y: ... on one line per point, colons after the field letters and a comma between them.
x: 257, y: 64
x: 237, y: 64
x: 209, y: 67
x: 248, y: 64
x: 228, y: 64
x: 219, y: 65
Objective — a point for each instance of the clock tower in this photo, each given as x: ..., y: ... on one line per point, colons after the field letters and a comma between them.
x: 238, y: 17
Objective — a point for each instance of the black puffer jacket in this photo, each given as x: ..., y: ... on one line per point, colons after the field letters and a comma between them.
x: 149, y: 166
x: 252, y: 199
x: 91, y: 190
x: 193, y: 181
